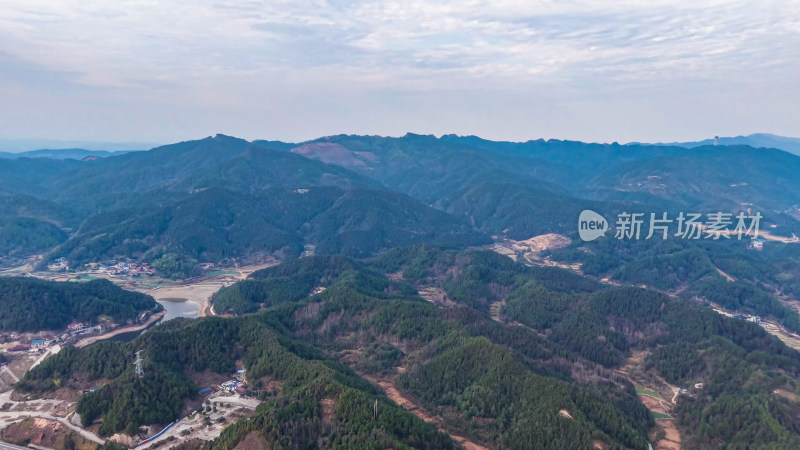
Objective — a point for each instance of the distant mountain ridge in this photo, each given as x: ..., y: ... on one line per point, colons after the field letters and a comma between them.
x: 757, y: 140
x: 25, y: 145
x: 513, y: 190
x: 64, y: 153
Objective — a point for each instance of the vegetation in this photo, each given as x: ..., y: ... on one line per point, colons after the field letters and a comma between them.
x: 735, y: 359
x: 181, y: 345
x: 541, y: 372
x: 173, y: 265
x: 23, y: 236
x: 267, y: 345
x: 296, y: 280
x: 692, y: 269
x: 215, y: 224
x: 28, y: 304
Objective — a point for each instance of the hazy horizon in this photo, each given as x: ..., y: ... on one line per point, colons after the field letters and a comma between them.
x: 512, y: 70
x: 25, y: 145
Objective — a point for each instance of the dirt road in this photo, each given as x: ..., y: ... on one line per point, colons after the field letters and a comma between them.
x: 92, y: 339
x: 393, y: 393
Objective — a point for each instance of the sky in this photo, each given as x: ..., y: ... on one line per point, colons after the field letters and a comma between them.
x: 601, y: 70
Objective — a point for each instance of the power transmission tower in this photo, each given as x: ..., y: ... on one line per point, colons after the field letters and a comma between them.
x: 138, y: 362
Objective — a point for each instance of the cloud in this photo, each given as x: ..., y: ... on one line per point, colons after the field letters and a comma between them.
x: 206, y: 52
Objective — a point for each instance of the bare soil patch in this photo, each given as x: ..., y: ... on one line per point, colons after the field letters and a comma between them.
x: 45, y: 433
x: 406, y: 403
x: 437, y: 296
x: 250, y: 442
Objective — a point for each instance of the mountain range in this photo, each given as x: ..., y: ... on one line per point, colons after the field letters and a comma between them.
x: 505, y: 189
x: 756, y: 140
x: 64, y: 153
x: 406, y: 263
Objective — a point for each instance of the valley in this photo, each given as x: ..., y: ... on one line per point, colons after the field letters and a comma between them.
x: 460, y: 301
x: 372, y: 225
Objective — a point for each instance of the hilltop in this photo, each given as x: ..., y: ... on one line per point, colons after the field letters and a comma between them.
x: 28, y: 304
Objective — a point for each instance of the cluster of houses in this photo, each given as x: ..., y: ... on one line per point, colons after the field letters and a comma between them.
x: 59, y: 265
x: 73, y: 330
x: 756, y: 244
x: 231, y: 387
x: 235, y: 385
x: 685, y: 390
x: 123, y: 268
x: 754, y: 319
x: 35, y: 345
x: 120, y: 268
x: 77, y: 329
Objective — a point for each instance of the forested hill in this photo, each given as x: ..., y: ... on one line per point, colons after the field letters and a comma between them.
x: 539, y: 372
x: 29, y: 304
x: 503, y: 189
x: 738, y: 364
x: 513, y: 382
x: 215, y: 224
x: 446, y: 168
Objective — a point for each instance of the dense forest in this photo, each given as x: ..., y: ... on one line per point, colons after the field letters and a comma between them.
x: 182, y: 346
x: 216, y: 224
x: 296, y: 280
x: 23, y: 236
x: 686, y: 342
x: 489, y: 380
x: 267, y: 344
x: 720, y: 272
x: 505, y: 189
x: 29, y: 304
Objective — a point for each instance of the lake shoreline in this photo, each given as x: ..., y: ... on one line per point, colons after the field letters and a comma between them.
x: 92, y: 339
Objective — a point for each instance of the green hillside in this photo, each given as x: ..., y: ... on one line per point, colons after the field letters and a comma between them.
x: 214, y: 224
x: 28, y: 304
x: 489, y: 380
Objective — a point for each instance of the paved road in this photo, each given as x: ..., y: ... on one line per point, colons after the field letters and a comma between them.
x: 7, y: 446
x: 85, y: 433
x: 10, y: 373
x: 50, y: 351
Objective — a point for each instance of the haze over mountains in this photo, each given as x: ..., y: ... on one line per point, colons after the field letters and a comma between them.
x: 757, y: 140
x: 64, y: 153
x: 26, y: 145
x: 450, y: 188
x: 57, y: 150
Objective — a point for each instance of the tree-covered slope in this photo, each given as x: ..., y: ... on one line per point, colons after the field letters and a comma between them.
x: 293, y: 416
x: 381, y: 325
x: 28, y: 304
x: 710, y: 179
x: 23, y: 236
x: 724, y: 273
x: 361, y: 312
x: 738, y: 362
x: 214, y: 224
x: 456, y: 173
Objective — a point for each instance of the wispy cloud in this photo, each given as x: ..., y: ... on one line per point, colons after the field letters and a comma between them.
x: 209, y: 52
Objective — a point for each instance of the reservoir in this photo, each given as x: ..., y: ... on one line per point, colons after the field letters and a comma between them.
x: 175, y: 307
x: 179, y: 307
